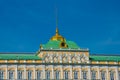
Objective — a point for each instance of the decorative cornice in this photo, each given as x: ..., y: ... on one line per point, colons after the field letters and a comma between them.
x: 69, y: 50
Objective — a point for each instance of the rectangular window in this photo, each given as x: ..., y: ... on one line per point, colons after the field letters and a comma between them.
x: 38, y: 75
x: 111, y: 75
x: 1, y: 75
x: 48, y: 75
x: 29, y: 75
x: 19, y: 75
x: 75, y: 75
x: 85, y: 75
x: 57, y: 75
x: 11, y: 75
x: 93, y: 75
x: 119, y: 74
x: 66, y: 75
x: 103, y: 75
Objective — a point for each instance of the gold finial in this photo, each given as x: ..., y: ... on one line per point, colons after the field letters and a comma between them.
x: 57, y: 36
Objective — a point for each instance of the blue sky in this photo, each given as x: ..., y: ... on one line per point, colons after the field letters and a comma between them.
x: 93, y: 24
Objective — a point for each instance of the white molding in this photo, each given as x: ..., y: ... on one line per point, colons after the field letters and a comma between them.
x: 24, y: 61
x: 6, y: 61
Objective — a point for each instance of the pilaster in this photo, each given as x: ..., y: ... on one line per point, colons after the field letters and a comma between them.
x: 89, y: 73
x: 98, y: 71
x: 61, y: 71
x: 107, y: 73
x: 43, y: 75
x: 80, y: 71
x: 25, y: 72
x: 34, y: 73
x: 16, y: 72
x: 116, y: 71
x: 6, y: 72
x: 71, y: 75
x: 52, y: 72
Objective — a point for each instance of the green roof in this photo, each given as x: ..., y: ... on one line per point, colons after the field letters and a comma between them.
x: 56, y: 45
x: 104, y: 58
x: 35, y: 57
x: 19, y: 57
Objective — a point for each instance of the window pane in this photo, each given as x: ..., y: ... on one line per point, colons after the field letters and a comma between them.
x: 111, y: 75
x: 119, y: 74
x: 66, y: 75
x: 38, y: 75
x: 1, y: 75
x: 47, y: 75
x: 29, y: 75
x: 103, y: 75
x: 57, y: 75
x: 75, y: 75
x: 19, y: 74
x: 84, y: 75
x: 93, y: 75
x: 11, y: 76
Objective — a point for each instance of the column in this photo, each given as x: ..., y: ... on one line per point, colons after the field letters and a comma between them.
x: 70, y: 58
x: 43, y: 77
x: 80, y: 73
x: 61, y: 71
x: 52, y: 72
x: 25, y: 72
x: 34, y: 77
x: 16, y: 72
x: 6, y: 72
x: 98, y: 70
x: 60, y: 58
x: 116, y: 71
x: 89, y: 73
x: 71, y: 73
x: 107, y: 73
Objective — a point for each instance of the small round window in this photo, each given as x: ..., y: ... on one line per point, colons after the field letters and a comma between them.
x: 63, y: 44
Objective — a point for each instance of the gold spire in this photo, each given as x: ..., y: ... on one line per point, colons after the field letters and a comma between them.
x: 57, y: 31
x: 57, y: 36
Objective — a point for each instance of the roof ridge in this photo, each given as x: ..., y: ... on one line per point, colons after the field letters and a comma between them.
x: 105, y: 54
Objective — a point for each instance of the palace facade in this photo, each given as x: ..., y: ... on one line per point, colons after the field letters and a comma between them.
x: 59, y: 59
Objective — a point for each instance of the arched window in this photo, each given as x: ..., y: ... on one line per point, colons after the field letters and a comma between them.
x: 75, y: 75
x: 29, y: 75
x: 112, y: 75
x: 19, y: 75
x: 65, y: 74
x: 1, y: 75
x: 103, y: 75
x: 57, y: 75
x: 48, y: 75
x: 11, y: 75
x: 38, y: 75
x: 84, y: 75
x: 93, y: 75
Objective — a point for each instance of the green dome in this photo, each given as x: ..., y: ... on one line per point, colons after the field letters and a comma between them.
x: 56, y: 44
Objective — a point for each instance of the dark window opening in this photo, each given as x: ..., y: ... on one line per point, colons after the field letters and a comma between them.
x: 63, y: 44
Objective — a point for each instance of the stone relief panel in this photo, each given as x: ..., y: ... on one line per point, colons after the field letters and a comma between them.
x: 65, y: 58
